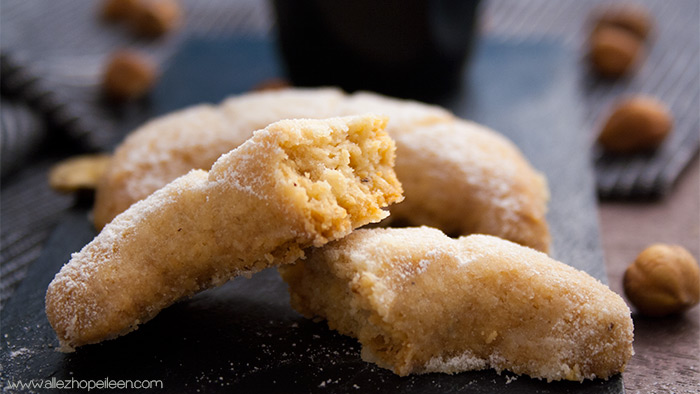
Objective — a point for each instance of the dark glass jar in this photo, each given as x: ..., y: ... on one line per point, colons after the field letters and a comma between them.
x: 406, y: 48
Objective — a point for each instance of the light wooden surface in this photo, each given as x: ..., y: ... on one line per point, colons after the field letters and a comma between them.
x: 667, y: 358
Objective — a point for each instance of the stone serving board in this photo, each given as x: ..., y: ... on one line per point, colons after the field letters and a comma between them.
x: 244, y: 337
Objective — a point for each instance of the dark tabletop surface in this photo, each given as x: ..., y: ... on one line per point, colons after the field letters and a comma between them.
x: 667, y: 349
x: 667, y: 358
x: 244, y: 335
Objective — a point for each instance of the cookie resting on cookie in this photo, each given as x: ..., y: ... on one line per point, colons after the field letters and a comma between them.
x: 464, y: 178
x: 193, y: 138
x: 293, y: 185
x: 457, y: 175
x: 420, y: 302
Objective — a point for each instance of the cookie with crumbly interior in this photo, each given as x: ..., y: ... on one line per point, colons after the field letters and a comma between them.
x: 170, y: 146
x: 420, y: 302
x: 293, y: 185
x: 457, y: 175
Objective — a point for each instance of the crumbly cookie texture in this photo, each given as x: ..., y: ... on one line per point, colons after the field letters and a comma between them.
x: 420, y: 302
x: 457, y: 175
x: 170, y: 146
x: 293, y: 185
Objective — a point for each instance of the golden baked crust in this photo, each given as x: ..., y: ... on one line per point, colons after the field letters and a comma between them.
x: 172, y: 145
x: 464, y: 178
x: 404, y: 115
x: 295, y: 184
x: 449, y: 167
x: 419, y: 302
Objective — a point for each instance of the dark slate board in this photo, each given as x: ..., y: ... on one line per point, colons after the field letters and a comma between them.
x: 243, y: 336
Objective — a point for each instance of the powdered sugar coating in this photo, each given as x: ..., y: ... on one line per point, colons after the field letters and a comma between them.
x: 168, y: 147
x: 457, y: 175
x: 404, y: 115
x: 253, y: 209
x: 464, y: 178
x: 479, y: 302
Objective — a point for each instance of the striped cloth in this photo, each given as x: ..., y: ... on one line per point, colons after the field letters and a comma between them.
x: 51, y: 55
x: 670, y: 72
x: 53, y: 52
x: 22, y: 133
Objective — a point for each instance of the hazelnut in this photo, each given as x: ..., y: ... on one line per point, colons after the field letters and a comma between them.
x: 272, y: 84
x: 128, y: 76
x: 78, y: 173
x: 636, y: 124
x: 663, y: 280
x: 119, y: 10
x: 634, y: 18
x: 156, y: 17
x: 614, y: 51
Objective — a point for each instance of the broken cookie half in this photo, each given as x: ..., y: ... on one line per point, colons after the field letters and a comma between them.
x: 294, y: 184
x: 419, y: 301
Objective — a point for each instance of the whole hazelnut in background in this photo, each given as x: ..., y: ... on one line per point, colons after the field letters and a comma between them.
x: 119, y: 10
x: 663, y: 280
x: 78, y: 172
x: 616, y: 43
x: 636, y: 124
x: 154, y: 18
x: 634, y: 18
x: 128, y: 76
x: 614, y: 51
x: 272, y: 84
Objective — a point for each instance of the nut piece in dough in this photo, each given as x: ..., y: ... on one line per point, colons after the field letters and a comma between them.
x: 295, y: 184
x: 78, y: 173
x: 420, y: 302
x: 663, y: 280
x: 636, y: 124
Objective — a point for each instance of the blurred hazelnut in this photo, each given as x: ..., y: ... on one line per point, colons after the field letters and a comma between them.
x: 634, y: 18
x: 119, y: 10
x: 156, y: 17
x: 636, y: 124
x: 128, y: 76
x: 78, y: 172
x: 663, y: 280
x: 272, y: 84
x: 614, y: 51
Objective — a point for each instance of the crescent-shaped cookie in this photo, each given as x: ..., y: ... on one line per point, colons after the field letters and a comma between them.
x: 295, y: 184
x: 464, y: 178
x: 172, y: 145
x: 420, y: 302
x: 457, y: 175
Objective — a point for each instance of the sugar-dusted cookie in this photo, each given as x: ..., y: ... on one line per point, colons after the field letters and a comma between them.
x: 419, y: 302
x: 193, y: 138
x: 294, y: 184
x: 457, y: 175
x: 464, y: 178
